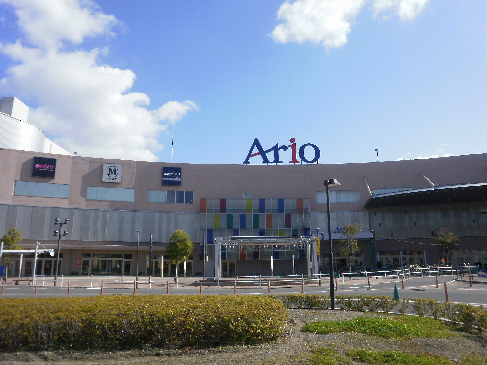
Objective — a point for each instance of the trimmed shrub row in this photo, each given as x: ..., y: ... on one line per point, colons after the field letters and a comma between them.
x: 123, y: 322
x: 459, y: 313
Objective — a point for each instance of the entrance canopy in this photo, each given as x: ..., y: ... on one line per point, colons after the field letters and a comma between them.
x: 26, y: 252
x: 266, y: 240
x: 301, y: 241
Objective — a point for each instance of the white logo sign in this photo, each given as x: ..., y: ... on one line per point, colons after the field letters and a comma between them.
x: 112, y: 172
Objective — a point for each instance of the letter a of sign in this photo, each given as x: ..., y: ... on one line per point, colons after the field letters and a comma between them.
x: 261, y: 152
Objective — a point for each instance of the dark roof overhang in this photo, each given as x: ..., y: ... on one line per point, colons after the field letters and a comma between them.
x: 450, y: 194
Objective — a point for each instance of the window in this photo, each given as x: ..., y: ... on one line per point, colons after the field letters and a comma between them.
x: 339, y: 196
x: 170, y: 196
x: 180, y: 197
x: 110, y: 194
x: 188, y: 197
x: 44, y: 190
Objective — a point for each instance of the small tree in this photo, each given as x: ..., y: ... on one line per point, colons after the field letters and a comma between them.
x: 446, y: 242
x: 349, y: 243
x: 179, y: 248
x: 10, y: 240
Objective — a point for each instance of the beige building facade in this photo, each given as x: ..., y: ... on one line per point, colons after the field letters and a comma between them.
x: 399, y: 205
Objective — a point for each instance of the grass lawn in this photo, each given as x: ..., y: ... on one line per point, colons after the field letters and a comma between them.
x: 400, y: 328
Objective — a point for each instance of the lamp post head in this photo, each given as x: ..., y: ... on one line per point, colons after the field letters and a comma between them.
x: 332, y: 183
x: 66, y: 221
x: 56, y: 233
x: 56, y: 221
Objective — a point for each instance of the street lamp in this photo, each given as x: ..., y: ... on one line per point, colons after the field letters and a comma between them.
x: 330, y: 183
x: 59, y: 235
x: 137, y: 261
x: 318, y: 249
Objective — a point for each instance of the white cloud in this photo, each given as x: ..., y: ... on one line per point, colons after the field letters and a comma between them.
x: 173, y: 111
x: 404, y: 9
x: 48, y: 23
x: 330, y: 21
x: 319, y: 21
x: 440, y: 152
x: 85, y: 106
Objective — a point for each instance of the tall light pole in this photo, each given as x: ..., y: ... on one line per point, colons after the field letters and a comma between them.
x: 59, y: 235
x: 319, y: 244
x: 150, y: 260
x: 330, y: 183
x: 137, y: 261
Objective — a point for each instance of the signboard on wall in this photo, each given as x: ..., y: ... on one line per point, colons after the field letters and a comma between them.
x: 112, y: 172
x: 44, y: 167
x: 171, y: 176
x: 257, y: 150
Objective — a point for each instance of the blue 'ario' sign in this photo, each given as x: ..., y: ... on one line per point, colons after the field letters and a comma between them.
x: 276, y: 148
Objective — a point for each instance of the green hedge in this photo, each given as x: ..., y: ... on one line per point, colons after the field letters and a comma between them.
x: 469, y: 316
x: 124, y: 322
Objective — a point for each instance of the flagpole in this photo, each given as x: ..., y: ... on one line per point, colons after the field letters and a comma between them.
x: 172, y: 143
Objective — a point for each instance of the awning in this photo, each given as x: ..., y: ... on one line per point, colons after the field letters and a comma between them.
x: 462, y: 193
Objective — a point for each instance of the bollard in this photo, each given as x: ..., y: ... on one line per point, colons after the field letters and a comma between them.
x: 201, y: 288
x: 69, y: 286
x: 135, y: 287
x: 3, y: 289
x: 167, y: 287
x: 260, y: 281
x: 35, y: 292
x: 437, y: 282
x: 446, y: 293
x: 319, y: 280
x: 470, y: 278
x: 402, y: 281
x: 269, y: 286
x: 101, y: 291
x: 235, y: 287
x: 336, y: 284
x: 302, y: 285
x: 368, y: 279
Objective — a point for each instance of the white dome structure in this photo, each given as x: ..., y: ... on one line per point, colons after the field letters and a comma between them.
x: 16, y: 133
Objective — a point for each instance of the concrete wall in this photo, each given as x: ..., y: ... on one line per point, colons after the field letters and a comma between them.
x: 100, y: 227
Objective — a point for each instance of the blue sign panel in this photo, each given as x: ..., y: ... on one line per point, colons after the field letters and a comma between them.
x: 171, y: 176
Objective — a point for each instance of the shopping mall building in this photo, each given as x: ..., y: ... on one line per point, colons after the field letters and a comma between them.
x: 244, y: 219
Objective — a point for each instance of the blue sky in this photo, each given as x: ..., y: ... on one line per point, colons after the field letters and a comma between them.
x: 113, y: 78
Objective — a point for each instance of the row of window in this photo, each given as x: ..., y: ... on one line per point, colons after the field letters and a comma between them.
x: 264, y: 220
x: 48, y: 190
x: 186, y: 197
x: 110, y: 194
x: 170, y: 196
x: 338, y: 196
x: 43, y: 190
x: 271, y: 205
